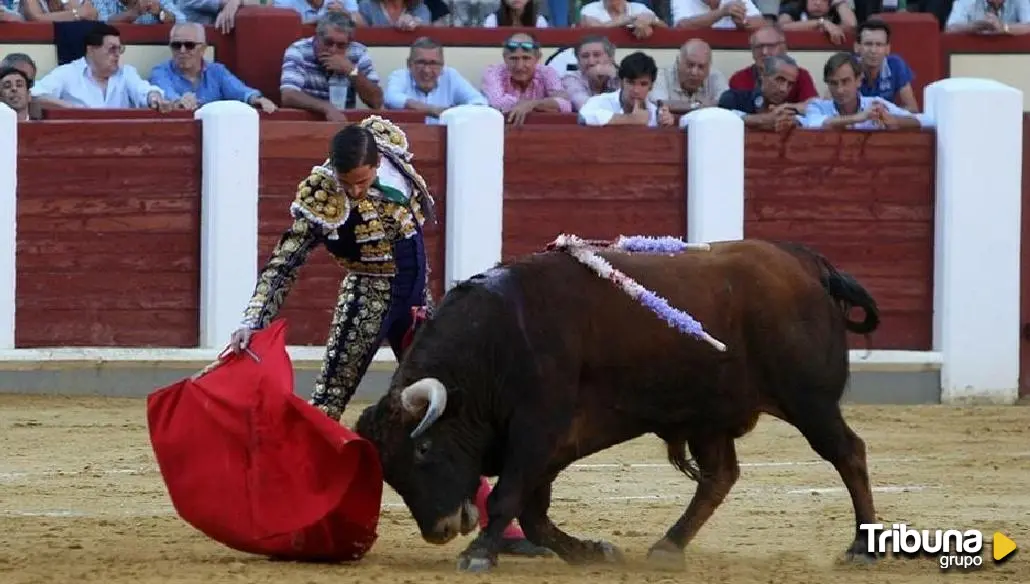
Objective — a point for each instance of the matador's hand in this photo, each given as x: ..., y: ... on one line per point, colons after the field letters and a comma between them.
x: 240, y: 339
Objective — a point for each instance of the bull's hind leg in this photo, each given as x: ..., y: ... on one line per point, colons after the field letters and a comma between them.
x: 831, y: 437
x: 716, y: 456
x: 542, y: 531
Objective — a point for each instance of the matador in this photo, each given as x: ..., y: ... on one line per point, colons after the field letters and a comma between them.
x: 367, y: 205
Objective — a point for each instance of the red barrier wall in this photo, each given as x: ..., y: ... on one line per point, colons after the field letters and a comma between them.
x: 108, y: 234
x: 863, y: 199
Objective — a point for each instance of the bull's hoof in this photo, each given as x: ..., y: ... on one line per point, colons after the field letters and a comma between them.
x: 475, y: 563
x: 610, y: 553
x: 665, y: 555
x: 857, y: 554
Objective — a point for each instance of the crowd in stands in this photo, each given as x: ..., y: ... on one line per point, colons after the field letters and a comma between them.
x: 867, y: 85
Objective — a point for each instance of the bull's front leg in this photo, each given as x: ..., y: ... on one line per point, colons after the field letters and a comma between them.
x: 543, y: 532
x: 503, y: 505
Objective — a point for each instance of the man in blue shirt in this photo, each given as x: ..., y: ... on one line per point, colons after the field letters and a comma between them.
x: 766, y: 106
x: 848, y: 108
x: 884, y: 74
x: 427, y: 85
x: 191, y: 82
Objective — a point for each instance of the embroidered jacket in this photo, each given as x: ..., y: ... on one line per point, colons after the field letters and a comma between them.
x: 358, y: 234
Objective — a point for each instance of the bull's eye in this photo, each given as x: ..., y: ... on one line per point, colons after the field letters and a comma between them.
x: 422, y: 448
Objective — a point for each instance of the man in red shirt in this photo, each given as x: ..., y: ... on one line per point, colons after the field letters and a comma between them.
x: 769, y: 41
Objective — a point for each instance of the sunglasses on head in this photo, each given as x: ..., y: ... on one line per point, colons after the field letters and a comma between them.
x: 524, y: 45
x: 179, y: 45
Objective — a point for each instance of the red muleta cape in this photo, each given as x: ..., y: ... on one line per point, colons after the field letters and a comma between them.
x: 257, y: 468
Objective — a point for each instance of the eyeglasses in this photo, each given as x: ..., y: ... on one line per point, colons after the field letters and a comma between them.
x: 114, y: 49
x: 524, y: 45
x: 179, y: 45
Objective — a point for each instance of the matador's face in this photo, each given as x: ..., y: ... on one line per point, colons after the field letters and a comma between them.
x: 355, y: 182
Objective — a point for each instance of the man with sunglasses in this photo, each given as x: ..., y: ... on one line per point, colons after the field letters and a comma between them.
x: 191, y: 81
x: 521, y: 84
x: 108, y: 84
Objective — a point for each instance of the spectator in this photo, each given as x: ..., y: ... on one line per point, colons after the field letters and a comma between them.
x: 14, y: 91
x: 311, y: 10
x: 628, y: 106
x: 769, y: 41
x: 139, y: 11
x: 321, y: 73
x: 767, y: 106
x: 521, y: 84
x: 690, y: 82
x: 595, y: 73
x: 618, y: 13
x: 219, y: 13
x: 58, y: 11
x: 883, y: 74
x: 515, y: 13
x: 9, y: 11
x: 191, y: 81
x: 428, y: 85
x: 466, y: 13
x: 990, y: 16
x: 832, y: 17
x: 848, y: 108
x: 400, y: 14
x: 21, y: 62
x: 739, y: 14
x: 99, y: 80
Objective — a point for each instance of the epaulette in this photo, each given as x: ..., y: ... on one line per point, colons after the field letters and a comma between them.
x: 320, y: 202
x: 388, y: 136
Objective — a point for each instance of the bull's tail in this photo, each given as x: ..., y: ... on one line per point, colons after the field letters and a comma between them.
x: 843, y: 288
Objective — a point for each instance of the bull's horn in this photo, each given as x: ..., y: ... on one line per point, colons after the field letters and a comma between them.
x: 415, y: 397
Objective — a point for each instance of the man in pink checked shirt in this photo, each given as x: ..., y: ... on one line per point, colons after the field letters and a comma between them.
x: 521, y: 84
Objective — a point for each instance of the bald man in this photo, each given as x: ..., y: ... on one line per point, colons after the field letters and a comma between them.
x: 190, y: 81
x: 690, y: 82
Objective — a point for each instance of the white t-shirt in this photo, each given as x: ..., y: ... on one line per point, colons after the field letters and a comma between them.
x: 601, y: 108
x: 690, y: 8
x: 491, y: 21
x: 597, y: 11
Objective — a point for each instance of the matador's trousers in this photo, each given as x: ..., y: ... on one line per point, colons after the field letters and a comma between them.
x: 369, y: 309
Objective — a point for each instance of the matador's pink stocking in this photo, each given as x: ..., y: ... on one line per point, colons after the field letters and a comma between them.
x: 512, y: 531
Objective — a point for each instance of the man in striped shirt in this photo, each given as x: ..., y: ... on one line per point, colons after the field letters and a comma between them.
x: 323, y: 73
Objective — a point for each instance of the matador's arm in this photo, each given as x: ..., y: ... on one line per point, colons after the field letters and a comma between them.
x: 280, y: 272
x: 318, y: 211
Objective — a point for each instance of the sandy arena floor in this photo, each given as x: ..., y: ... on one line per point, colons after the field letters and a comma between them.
x: 81, y: 501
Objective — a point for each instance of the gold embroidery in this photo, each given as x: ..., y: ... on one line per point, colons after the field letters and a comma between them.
x: 318, y: 200
x: 362, y: 303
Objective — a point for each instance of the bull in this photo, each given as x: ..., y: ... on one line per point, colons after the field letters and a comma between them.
x: 538, y: 363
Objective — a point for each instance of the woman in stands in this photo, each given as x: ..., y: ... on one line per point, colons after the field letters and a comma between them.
x: 367, y: 205
x: 516, y: 13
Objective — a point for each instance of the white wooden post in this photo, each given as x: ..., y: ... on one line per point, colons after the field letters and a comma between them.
x: 228, y: 217
x: 715, y: 175
x: 9, y: 232
x: 976, y: 323
x: 475, y: 191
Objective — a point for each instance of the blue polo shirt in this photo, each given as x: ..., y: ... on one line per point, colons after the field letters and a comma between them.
x: 894, y: 74
x: 748, y: 101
